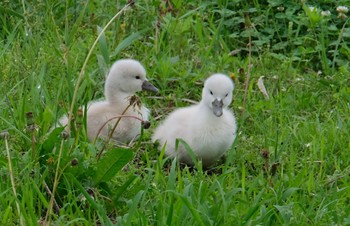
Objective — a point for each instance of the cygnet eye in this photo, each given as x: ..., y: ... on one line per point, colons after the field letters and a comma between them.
x: 226, y: 95
x: 211, y: 92
x: 137, y: 77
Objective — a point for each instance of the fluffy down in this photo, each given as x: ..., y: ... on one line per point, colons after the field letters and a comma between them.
x: 209, y: 128
x: 126, y: 77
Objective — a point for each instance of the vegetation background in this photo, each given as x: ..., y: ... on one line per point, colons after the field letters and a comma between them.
x: 288, y: 166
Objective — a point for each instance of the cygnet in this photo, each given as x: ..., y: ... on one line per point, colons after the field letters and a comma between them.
x: 125, y: 78
x: 209, y: 128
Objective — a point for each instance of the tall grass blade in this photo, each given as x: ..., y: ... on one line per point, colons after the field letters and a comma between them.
x: 103, y: 45
x: 4, y: 10
x: 123, y: 188
x: 82, y: 72
x: 10, y: 39
x: 194, y: 211
x: 101, y: 211
x: 189, y: 152
x: 70, y: 34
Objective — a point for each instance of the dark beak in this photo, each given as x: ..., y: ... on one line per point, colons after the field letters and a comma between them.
x: 146, y: 85
x: 217, y: 107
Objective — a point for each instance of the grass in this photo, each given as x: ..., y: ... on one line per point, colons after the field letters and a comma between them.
x: 288, y: 166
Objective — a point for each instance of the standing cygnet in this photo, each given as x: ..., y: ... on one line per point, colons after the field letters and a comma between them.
x: 209, y: 128
x: 125, y: 78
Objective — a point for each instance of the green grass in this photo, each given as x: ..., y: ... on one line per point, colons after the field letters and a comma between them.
x: 303, y: 129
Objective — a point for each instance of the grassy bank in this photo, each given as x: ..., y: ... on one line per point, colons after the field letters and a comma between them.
x: 288, y: 166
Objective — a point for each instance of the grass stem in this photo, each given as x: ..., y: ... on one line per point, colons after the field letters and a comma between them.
x: 82, y: 72
x: 12, y: 179
x: 55, y: 183
x: 248, y: 72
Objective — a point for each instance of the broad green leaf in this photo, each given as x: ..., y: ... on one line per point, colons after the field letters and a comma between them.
x: 47, y: 117
x: 113, y: 161
x: 288, y: 192
x: 54, y: 136
x: 49, y: 144
x: 285, y: 211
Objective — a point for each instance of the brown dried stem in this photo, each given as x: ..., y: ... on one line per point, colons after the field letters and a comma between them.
x: 111, y: 133
x: 55, y: 183
x: 5, y: 135
x: 117, y: 116
x: 48, y: 191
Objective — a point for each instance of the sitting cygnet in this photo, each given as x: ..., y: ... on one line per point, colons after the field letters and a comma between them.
x: 125, y: 78
x: 209, y: 128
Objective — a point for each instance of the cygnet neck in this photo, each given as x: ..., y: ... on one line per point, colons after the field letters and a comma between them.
x: 116, y: 96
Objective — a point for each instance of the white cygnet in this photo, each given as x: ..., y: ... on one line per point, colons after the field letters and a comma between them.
x: 125, y: 78
x: 209, y: 128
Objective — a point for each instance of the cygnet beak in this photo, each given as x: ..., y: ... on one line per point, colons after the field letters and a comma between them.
x: 217, y: 107
x: 146, y: 85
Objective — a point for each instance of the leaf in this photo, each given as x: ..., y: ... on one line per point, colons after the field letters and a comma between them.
x: 275, y: 3
x: 278, y: 56
x: 103, y: 45
x: 346, y: 32
x: 285, y: 211
x: 262, y: 87
x: 11, y: 12
x: 254, y: 207
x: 49, y: 144
x: 70, y: 34
x: 11, y: 38
x: 251, y: 212
x: 289, y: 192
x: 99, y: 209
x: 187, y: 201
x: 113, y: 161
x: 172, y: 177
x: 102, y: 64
x: 280, y: 46
x: 128, y: 41
x: 123, y: 188
x: 347, y: 221
x: 189, y: 152
x: 47, y: 117
x: 281, y: 16
x: 12, y: 127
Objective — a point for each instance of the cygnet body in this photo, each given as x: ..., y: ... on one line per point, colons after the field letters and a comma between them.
x: 209, y: 128
x: 125, y: 78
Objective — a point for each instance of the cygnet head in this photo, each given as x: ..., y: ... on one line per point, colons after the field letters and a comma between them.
x: 217, y: 93
x: 125, y: 78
